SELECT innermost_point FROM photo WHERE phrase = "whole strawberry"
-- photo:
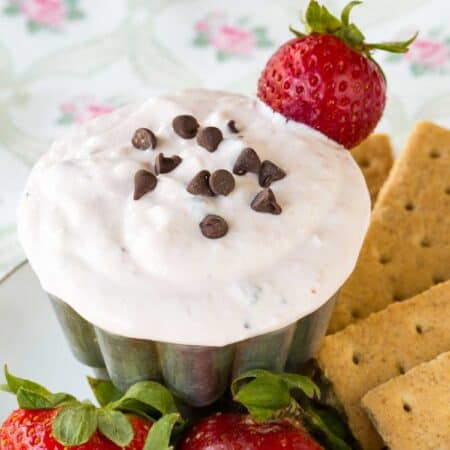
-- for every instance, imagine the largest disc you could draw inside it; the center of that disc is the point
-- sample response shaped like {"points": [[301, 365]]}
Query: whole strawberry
{"points": [[327, 79], [29, 430], [276, 421], [233, 431], [59, 421]]}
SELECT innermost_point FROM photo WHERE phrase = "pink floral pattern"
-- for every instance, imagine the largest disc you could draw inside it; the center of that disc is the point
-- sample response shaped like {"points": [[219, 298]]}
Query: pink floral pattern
{"points": [[44, 14], [229, 39], [429, 54], [83, 108]]}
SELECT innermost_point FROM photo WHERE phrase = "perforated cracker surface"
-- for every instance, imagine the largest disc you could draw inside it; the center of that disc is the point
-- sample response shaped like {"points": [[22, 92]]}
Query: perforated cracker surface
{"points": [[386, 344], [413, 411], [374, 157], [407, 247]]}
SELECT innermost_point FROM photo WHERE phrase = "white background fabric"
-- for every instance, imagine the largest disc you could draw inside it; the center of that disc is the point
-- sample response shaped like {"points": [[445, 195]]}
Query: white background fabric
{"points": [[65, 61]]}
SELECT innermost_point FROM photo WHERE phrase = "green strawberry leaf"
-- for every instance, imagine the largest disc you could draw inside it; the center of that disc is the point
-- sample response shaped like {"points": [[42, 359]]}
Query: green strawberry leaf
{"points": [[305, 384], [394, 46], [264, 396], [296, 32], [75, 425], [31, 395], [160, 433], [137, 408], [292, 380], [104, 391], [247, 376], [15, 383], [320, 20], [333, 421], [152, 396], [115, 426], [31, 400], [315, 422], [345, 15], [352, 35], [6, 388]]}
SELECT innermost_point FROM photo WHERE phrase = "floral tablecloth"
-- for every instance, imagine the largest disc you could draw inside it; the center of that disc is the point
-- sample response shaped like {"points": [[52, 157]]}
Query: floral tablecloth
{"points": [[63, 62]]}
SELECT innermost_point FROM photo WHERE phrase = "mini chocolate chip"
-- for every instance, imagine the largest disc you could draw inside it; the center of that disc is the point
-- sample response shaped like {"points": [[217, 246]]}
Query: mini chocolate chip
{"points": [[144, 181], [209, 138], [222, 182], [269, 173], [199, 185], [232, 126], [247, 161], [213, 227], [143, 139], [165, 164], [185, 126], [266, 202]]}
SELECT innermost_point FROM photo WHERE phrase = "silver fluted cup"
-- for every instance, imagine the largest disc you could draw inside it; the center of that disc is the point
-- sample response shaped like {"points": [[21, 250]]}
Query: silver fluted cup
{"points": [[197, 375]]}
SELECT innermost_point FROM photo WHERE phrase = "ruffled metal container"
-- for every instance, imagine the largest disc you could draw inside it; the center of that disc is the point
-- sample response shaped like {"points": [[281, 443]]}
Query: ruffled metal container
{"points": [[195, 374]]}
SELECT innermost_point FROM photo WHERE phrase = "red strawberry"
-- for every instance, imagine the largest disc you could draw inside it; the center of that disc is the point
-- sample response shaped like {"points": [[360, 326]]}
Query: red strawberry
{"points": [[328, 79], [58, 421], [276, 421], [32, 430], [235, 432]]}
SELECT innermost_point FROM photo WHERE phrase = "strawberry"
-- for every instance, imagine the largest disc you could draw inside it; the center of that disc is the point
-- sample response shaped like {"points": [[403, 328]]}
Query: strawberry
{"points": [[276, 420], [146, 418], [28, 429], [327, 79], [58, 421], [234, 431]]}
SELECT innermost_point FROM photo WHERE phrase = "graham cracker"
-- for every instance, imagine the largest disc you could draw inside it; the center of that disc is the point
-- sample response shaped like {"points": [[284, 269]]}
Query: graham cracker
{"points": [[413, 410], [374, 157], [407, 247], [386, 344]]}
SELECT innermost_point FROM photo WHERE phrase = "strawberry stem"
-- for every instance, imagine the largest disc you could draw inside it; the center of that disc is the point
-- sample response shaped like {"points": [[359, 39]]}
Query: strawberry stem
{"points": [[319, 20]]}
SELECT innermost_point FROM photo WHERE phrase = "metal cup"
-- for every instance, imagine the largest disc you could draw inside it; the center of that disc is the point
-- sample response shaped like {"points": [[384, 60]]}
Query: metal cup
{"points": [[198, 375]]}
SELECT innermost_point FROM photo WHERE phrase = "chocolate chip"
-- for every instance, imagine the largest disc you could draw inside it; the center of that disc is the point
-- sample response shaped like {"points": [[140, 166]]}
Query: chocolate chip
{"points": [[266, 202], [232, 126], [247, 161], [213, 227], [199, 185], [143, 139], [144, 181], [165, 164], [222, 182], [269, 173], [185, 126], [210, 138]]}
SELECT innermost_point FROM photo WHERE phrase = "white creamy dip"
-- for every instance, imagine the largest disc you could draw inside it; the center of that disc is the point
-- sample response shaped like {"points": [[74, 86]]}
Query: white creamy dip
{"points": [[143, 269]]}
